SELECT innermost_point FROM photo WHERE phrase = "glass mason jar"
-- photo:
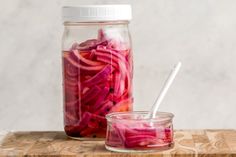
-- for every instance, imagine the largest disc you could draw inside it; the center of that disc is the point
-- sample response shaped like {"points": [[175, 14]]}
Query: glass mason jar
{"points": [[97, 67]]}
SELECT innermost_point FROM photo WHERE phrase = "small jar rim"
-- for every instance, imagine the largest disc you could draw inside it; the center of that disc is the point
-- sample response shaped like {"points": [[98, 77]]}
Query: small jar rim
{"points": [[165, 116]]}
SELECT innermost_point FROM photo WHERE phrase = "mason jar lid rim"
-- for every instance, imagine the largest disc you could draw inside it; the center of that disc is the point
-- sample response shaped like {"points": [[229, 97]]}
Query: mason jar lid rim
{"points": [[96, 13]]}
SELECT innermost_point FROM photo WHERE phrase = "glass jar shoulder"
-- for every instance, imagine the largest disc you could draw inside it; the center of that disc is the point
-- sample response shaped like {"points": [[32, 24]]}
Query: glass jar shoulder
{"points": [[81, 32]]}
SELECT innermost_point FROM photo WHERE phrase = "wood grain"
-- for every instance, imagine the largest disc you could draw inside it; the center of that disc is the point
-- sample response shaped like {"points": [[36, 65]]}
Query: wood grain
{"points": [[188, 143]]}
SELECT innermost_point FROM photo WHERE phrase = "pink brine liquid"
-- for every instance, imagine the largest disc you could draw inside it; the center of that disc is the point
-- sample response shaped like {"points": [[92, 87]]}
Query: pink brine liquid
{"points": [[97, 77]]}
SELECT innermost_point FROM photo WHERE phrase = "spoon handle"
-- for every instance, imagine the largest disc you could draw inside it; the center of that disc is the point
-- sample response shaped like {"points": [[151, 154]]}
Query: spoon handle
{"points": [[168, 82]]}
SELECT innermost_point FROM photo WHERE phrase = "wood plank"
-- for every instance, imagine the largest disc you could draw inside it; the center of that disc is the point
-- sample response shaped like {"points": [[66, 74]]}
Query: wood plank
{"points": [[188, 143]]}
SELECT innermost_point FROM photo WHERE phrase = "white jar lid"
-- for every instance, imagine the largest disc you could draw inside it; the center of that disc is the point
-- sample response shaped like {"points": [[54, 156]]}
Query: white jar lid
{"points": [[96, 13]]}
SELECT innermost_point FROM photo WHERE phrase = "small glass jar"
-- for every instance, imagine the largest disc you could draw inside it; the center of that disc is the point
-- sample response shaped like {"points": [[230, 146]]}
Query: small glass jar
{"points": [[97, 67], [134, 132]]}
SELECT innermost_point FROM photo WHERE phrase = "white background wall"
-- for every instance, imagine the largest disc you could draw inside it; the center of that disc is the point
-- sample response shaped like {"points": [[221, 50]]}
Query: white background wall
{"points": [[200, 33]]}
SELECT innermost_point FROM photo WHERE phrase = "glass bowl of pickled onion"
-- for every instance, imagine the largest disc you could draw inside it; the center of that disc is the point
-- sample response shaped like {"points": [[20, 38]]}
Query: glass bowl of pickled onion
{"points": [[135, 132]]}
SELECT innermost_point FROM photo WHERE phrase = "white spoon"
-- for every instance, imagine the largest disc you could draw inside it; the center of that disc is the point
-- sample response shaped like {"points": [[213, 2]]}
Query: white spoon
{"points": [[169, 81]]}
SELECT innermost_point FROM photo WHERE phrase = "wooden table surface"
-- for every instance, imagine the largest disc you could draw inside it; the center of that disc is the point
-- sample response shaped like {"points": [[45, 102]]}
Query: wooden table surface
{"points": [[187, 143]]}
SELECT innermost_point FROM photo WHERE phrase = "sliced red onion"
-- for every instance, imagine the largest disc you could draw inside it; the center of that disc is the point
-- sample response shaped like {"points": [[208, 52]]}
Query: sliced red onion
{"points": [[97, 77], [86, 61]]}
